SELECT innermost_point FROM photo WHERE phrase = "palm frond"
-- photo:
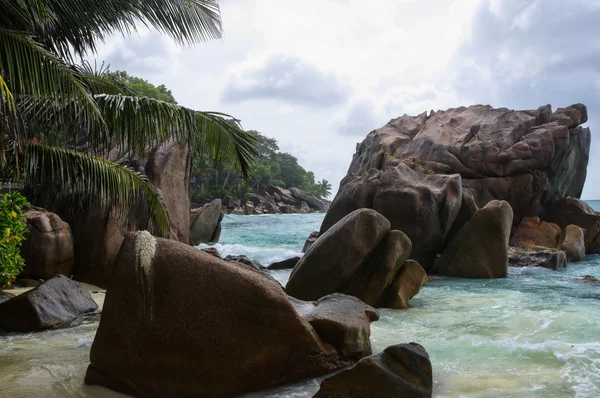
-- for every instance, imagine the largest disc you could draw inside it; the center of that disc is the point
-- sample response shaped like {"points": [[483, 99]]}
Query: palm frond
{"points": [[30, 69], [99, 80], [89, 182]]}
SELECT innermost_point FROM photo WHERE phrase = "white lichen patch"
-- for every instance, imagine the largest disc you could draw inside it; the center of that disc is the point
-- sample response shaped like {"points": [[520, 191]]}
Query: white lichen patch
{"points": [[145, 248]]}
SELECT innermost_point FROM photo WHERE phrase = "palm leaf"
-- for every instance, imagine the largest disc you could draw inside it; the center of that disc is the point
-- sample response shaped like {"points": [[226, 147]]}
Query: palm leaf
{"points": [[89, 182]]}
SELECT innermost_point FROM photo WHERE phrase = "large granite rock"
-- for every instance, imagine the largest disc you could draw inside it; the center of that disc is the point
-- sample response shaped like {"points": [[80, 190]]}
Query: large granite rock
{"points": [[55, 302], [361, 257], [288, 263], [312, 238], [283, 195], [313, 202], [529, 255], [179, 322], [540, 233], [573, 243], [527, 158], [205, 223], [402, 370], [48, 248], [422, 206], [480, 248], [574, 211], [342, 321]]}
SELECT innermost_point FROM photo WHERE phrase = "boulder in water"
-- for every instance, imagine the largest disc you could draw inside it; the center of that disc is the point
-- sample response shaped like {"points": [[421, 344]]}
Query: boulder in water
{"points": [[55, 302], [405, 286], [160, 335], [480, 248], [402, 370], [541, 233], [529, 255], [342, 321], [48, 249], [574, 211], [573, 243], [288, 263]]}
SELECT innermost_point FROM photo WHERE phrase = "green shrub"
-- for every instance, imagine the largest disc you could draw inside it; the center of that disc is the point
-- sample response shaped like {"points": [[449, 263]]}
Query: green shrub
{"points": [[12, 234]]}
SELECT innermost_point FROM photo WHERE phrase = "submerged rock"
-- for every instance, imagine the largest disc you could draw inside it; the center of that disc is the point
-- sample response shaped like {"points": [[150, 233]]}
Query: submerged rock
{"points": [[48, 249], [592, 280], [480, 248], [162, 335], [529, 255], [55, 302], [342, 321], [402, 370]]}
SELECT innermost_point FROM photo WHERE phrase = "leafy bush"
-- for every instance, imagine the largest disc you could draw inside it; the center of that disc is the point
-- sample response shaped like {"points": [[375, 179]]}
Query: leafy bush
{"points": [[12, 234]]}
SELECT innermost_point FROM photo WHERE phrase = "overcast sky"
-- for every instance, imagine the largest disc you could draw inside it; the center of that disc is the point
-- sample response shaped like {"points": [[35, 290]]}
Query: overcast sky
{"points": [[319, 75]]}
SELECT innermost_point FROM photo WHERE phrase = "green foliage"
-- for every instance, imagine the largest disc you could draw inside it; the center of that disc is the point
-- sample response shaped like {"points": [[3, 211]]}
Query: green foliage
{"points": [[145, 88], [12, 234]]}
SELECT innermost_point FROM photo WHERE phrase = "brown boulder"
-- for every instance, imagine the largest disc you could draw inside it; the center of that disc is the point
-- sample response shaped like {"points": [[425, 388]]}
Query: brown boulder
{"points": [[529, 255], [288, 263], [574, 211], [313, 202], [53, 303], [527, 158], [480, 249], [312, 238], [48, 249], [422, 206], [405, 286], [340, 320], [541, 233], [161, 336], [402, 370], [573, 243], [337, 255], [205, 222]]}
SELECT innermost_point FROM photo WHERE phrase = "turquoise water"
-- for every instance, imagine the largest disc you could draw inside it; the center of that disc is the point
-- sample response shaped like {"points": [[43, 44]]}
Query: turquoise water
{"points": [[533, 334]]}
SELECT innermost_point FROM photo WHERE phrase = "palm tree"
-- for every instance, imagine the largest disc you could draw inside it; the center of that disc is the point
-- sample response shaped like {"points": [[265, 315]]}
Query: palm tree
{"points": [[323, 188], [57, 119]]}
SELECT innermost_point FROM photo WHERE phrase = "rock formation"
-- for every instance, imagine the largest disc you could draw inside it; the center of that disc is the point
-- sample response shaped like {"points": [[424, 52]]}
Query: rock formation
{"points": [[527, 158], [529, 255], [402, 370], [48, 248], [359, 256], [566, 211], [180, 322], [51, 304], [205, 224]]}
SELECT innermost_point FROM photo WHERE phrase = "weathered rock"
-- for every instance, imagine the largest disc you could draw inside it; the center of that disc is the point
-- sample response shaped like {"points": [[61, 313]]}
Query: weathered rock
{"points": [[480, 248], [244, 260], [227, 201], [541, 233], [57, 301], [527, 158], [402, 370], [313, 202], [303, 208], [568, 211], [205, 222], [288, 263], [239, 212], [336, 256], [248, 209], [573, 243], [342, 321], [424, 207], [405, 286], [240, 330], [48, 249], [212, 251], [529, 255], [283, 195], [5, 296], [312, 238], [587, 279]]}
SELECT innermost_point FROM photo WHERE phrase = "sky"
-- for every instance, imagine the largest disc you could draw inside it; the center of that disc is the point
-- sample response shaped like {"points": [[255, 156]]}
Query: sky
{"points": [[319, 75]]}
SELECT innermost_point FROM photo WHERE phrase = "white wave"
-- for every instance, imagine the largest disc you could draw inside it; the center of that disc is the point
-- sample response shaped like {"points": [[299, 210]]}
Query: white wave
{"points": [[264, 255]]}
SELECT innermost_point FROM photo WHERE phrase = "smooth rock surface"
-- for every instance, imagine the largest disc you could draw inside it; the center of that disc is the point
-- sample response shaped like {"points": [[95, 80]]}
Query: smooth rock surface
{"points": [[405, 286], [204, 223], [55, 302], [573, 243]]}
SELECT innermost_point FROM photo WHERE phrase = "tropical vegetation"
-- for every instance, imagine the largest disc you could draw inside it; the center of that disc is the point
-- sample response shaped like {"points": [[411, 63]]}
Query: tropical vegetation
{"points": [[59, 117], [12, 234]]}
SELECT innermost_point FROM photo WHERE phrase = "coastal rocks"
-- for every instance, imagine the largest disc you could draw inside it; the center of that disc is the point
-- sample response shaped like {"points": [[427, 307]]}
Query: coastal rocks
{"points": [[312, 238], [402, 370], [238, 333], [48, 249], [205, 223], [528, 255], [527, 158], [541, 233], [340, 320], [329, 266], [573, 243], [276, 200], [55, 302], [480, 248], [289, 263], [4, 296], [591, 280], [422, 206], [313, 202], [359, 256], [574, 211]]}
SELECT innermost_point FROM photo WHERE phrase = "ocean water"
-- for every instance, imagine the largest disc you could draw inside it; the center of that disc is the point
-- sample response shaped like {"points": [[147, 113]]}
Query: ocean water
{"points": [[533, 334]]}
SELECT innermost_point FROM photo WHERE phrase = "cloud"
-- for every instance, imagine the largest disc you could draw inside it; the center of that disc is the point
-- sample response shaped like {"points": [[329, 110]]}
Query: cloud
{"points": [[283, 78]]}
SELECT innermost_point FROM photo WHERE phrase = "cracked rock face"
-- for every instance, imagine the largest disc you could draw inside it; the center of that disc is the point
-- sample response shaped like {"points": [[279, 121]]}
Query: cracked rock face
{"points": [[525, 157]]}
